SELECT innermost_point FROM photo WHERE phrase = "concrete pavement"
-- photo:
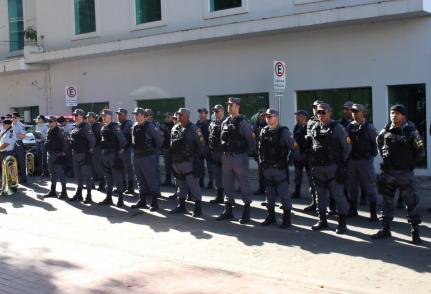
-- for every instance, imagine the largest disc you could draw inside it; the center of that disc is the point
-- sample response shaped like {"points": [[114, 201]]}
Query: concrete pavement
{"points": [[52, 246]]}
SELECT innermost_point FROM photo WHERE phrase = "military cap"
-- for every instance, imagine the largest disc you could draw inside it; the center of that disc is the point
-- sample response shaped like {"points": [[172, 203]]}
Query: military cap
{"points": [[106, 112], [139, 110], [183, 111], [203, 110], [61, 119], [271, 111], [358, 107], [8, 115], [348, 104], [92, 114], [51, 118], [399, 108], [317, 102], [40, 116], [218, 107], [148, 111], [7, 122], [301, 112], [234, 100], [78, 112], [324, 106], [121, 110]]}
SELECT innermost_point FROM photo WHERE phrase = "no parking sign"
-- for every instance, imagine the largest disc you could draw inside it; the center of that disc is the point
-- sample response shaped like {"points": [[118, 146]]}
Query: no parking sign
{"points": [[71, 96]]}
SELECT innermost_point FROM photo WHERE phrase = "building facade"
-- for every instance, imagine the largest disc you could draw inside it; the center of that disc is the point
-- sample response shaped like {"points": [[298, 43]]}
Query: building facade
{"points": [[168, 53]]}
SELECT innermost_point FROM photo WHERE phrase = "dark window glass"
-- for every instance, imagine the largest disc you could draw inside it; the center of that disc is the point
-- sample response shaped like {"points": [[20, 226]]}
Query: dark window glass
{"points": [[216, 5], [85, 16], [148, 11], [16, 25]]}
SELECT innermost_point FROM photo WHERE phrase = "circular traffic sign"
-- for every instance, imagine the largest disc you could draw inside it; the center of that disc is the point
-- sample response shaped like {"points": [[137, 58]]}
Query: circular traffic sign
{"points": [[279, 69], [71, 92]]}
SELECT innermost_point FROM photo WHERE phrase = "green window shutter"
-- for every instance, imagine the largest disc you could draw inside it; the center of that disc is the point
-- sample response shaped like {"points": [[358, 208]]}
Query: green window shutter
{"points": [[85, 16], [148, 11], [216, 5], [16, 25]]}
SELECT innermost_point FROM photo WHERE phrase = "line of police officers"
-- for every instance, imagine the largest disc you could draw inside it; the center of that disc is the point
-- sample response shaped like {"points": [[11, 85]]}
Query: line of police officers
{"points": [[337, 156]]}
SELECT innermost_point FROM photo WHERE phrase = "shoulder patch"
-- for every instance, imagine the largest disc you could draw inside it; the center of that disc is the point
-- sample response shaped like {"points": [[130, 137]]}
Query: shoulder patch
{"points": [[348, 140], [253, 135]]}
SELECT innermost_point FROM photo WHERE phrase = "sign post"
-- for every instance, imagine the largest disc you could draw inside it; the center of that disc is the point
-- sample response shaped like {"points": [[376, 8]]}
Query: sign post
{"points": [[71, 96], [279, 70]]}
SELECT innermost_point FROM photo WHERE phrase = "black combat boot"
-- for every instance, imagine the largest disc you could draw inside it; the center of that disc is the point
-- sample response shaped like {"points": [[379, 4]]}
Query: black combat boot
{"points": [[107, 200], [385, 231], [88, 198], [353, 209], [77, 196], [101, 187], [63, 194], [286, 219], [173, 196], [130, 188], [321, 224], [154, 203], [51, 193], [312, 205], [181, 208], [373, 212], [416, 239], [245, 218], [219, 197], [120, 202], [297, 192], [332, 206], [197, 211], [270, 219], [342, 227], [142, 203], [227, 213]]}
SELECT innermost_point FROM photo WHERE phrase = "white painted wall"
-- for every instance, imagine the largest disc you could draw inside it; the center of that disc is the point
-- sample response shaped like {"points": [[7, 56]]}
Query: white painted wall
{"points": [[373, 54]]}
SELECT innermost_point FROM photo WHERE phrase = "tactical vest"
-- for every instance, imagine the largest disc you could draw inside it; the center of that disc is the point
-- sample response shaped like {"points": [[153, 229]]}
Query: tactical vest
{"points": [[140, 141], [361, 145], [215, 136], [272, 150], [182, 143], [204, 127], [398, 153], [54, 142], [325, 148], [109, 139], [231, 139], [78, 138], [299, 134]]}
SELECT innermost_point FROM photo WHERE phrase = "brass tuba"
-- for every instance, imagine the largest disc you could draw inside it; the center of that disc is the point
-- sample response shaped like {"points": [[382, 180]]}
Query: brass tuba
{"points": [[29, 163], [9, 175]]}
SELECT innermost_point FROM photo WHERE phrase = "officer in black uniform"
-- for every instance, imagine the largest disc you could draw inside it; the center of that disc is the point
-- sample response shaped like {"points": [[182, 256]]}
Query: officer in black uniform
{"points": [[329, 152], [166, 130], [145, 142], [82, 142], [258, 123], [112, 144], [274, 145], [400, 145], [216, 153], [346, 119], [310, 124], [203, 124], [186, 144], [55, 146], [300, 156], [96, 159], [126, 128]]}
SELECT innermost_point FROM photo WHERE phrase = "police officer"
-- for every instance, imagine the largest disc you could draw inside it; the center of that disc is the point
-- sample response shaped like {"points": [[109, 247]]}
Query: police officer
{"points": [[166, 129], [238, 141], [82, 143], [329, 151], [19, 131], [346, 119], [149, 117], [300, 154], [203, 125], [67, 128], [126, 128], [400, 145], [113, 144], [7, 140], [55, 146], [360, 168], [274, 145], [258, 122], [215, 148], [96, 159], [145, 141], [41, 129], [310, 124], [186, 143]]}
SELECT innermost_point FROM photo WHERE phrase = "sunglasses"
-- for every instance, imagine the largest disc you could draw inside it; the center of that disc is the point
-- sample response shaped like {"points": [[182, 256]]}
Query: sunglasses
{"points": [[321, 112]]}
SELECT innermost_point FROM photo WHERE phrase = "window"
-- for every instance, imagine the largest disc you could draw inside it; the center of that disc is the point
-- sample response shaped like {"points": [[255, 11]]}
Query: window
{"points": [[160, 106], [148, 11], [413, 97], [16, 25], [93, 107], [84, 16], [250, 103], [336, 98], [216, 5]]}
